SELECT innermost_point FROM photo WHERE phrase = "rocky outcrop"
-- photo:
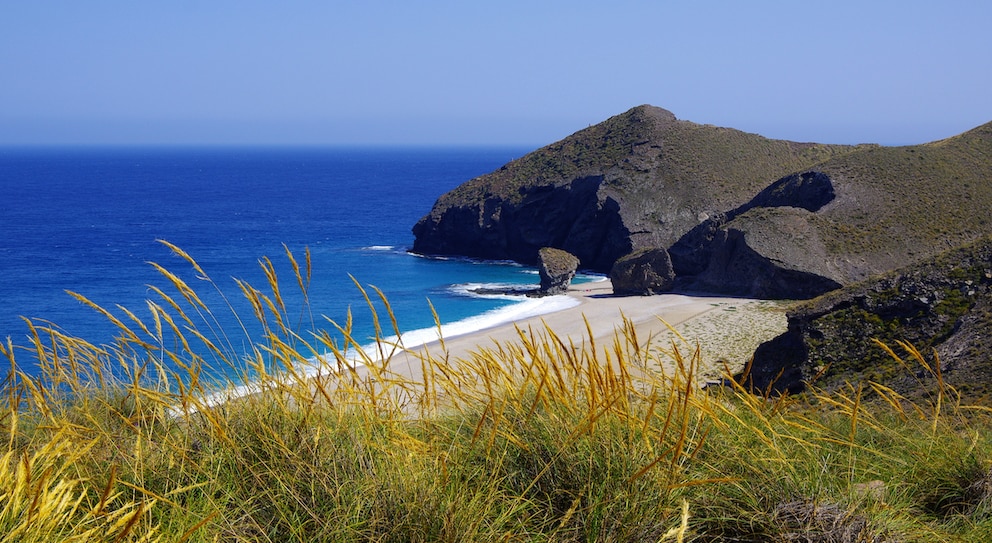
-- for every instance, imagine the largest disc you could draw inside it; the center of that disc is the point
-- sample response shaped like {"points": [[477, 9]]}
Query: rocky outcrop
{"points": [[811, 190], [556, 269], [738, 213], [942, 305], [769, 253], [807, 190], [638, 180], [644, 272], [573, 217], [768, 248]]}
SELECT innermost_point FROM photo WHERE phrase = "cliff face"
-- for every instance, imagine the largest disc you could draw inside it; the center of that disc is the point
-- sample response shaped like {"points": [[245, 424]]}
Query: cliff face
{"points": [[738, 213], [575, 217], [942, 305], [640, 179]]}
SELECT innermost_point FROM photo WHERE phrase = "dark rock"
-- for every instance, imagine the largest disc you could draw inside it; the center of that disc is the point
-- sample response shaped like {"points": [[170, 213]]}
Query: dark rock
{"points": [[644, 272], [574, 217], [508, 291], [692, 253], [716, 251], [808, 190], [556, 269], [645, 179], [769, 253], [778, 365], [942, 306]]}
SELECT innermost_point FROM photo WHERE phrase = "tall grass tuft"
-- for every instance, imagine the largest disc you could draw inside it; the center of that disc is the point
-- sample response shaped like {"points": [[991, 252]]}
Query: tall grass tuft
{"points": [[174, 433], [41, 500]]}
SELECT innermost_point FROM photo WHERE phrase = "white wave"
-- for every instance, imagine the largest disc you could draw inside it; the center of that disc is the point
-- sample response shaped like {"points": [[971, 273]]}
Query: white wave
{"points": [[524, 308], [471, 290], [380, 248]]}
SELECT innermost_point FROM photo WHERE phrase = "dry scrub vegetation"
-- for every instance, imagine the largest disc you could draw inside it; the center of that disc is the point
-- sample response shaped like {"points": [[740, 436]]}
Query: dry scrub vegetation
{"points": [[540, 439]]}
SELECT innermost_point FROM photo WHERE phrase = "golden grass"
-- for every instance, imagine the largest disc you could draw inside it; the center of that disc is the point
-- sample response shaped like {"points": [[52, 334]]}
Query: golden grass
{"points": [[42, 500], [543, 438]]}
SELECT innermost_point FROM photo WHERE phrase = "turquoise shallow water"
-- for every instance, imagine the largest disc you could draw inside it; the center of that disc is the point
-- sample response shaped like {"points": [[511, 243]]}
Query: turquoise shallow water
{"points": [[87, 220]]}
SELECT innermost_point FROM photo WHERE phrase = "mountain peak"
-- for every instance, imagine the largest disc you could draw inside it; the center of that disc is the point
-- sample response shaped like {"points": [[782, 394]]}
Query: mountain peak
{"points": [[652, 112]]}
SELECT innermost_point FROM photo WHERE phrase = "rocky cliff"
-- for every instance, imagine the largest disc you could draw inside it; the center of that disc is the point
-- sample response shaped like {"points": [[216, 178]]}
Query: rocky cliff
{"points": [[738, 213], [640, 179], [943, 306]]}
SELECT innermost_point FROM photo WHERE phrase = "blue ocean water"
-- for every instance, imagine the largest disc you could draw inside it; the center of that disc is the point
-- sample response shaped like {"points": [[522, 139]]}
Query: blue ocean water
{"points": [[87, 220]]}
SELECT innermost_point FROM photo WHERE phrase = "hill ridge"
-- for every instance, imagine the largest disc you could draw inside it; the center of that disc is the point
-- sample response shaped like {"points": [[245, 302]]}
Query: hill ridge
{"points": [[645, 179]]}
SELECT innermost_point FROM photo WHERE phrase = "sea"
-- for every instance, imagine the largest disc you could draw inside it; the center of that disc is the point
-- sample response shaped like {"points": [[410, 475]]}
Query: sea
{"points": [[89, 220]]}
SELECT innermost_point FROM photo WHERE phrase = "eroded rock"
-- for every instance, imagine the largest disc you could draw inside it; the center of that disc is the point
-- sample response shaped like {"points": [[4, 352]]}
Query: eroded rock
{"points": [[557, 269], [768, 253], [644, 272]]}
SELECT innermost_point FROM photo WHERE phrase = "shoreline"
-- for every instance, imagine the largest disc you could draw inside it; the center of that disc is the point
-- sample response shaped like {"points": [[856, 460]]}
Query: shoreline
{"points": [[727, 330]]}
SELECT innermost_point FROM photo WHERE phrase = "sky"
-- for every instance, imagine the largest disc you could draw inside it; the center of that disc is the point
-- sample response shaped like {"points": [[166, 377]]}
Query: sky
{"points": [[513, 72]]}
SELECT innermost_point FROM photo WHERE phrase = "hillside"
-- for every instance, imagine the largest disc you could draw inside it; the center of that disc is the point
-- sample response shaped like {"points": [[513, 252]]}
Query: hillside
{"points": [[739, 213], [534, 438], [639, 179]]}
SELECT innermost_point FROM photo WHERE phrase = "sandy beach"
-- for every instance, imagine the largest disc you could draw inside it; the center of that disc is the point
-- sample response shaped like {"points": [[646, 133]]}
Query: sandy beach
{"points": [[726, 330]]}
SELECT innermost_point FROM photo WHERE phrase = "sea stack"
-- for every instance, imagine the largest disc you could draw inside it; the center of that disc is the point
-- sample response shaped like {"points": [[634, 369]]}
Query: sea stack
{"points": [[556, 268]]}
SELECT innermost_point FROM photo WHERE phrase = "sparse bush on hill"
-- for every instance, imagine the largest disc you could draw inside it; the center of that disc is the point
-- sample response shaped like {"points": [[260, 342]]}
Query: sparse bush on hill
{"points": [[541, 439]]}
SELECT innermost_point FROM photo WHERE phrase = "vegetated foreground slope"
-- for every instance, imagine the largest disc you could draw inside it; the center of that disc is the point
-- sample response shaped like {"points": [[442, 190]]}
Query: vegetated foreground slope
{"points": [[538, 438], [739, 213]]}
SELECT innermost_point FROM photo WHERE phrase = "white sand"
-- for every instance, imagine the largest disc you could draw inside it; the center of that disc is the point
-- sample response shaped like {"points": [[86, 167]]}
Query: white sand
{"points": [[727, 330]]}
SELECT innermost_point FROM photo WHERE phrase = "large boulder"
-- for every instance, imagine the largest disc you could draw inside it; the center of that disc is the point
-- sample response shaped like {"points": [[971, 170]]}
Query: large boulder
{"points": [[556, 269], [643, 272]]}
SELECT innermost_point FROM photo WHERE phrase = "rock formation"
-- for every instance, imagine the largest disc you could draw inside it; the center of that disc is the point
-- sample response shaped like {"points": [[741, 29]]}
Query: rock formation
{"points": [[556, 269], [640, 179], [770, 253], [767, 248], [942, 305], [738, 213], [644, 272]]}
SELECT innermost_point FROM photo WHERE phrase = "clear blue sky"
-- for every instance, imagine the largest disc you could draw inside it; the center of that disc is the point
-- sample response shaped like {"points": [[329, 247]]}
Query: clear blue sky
{"points": [[471, 72]]}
